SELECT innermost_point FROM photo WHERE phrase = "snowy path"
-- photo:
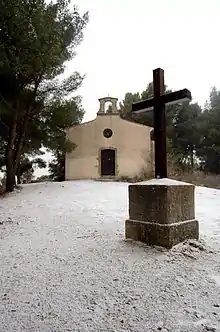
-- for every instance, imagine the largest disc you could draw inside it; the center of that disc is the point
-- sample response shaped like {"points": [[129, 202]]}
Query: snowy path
{"points": [[66, 267]]}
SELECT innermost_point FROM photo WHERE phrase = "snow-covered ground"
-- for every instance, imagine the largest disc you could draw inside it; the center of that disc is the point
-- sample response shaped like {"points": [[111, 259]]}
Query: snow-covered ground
{"points": [[65, 265]]}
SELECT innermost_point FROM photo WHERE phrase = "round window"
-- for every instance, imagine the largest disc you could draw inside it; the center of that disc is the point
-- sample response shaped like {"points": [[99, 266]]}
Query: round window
{"points": [[107, 133]]}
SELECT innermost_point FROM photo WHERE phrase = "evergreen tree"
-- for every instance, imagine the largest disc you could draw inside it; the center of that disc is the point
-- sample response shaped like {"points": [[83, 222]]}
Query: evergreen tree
{"points": [[31, 59]]}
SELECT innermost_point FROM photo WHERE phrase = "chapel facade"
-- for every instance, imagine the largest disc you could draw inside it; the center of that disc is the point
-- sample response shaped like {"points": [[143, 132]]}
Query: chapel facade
{"points": [[109, 147]]}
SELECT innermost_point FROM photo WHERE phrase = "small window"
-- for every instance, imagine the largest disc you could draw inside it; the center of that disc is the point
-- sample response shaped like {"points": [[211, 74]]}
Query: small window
{"points": [[107, 133]]}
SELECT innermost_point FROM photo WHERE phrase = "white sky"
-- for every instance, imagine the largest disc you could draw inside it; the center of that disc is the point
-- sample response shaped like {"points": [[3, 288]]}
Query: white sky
{"points": [[125, 40]]}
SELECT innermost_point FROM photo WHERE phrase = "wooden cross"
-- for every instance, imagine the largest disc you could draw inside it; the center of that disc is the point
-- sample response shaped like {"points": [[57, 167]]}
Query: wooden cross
{"points": [[157, 103]]}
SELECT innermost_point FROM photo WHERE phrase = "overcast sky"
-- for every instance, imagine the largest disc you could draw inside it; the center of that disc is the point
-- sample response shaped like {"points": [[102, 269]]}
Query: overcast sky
{"points": [[125, 40]]}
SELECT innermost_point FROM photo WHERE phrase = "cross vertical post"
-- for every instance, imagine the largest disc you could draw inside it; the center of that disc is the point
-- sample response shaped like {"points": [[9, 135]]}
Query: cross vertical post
{"points": [[159, 125]]}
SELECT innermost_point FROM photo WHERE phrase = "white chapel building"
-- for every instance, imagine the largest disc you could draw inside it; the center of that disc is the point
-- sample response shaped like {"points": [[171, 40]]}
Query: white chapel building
{"points": [[109, 147]]}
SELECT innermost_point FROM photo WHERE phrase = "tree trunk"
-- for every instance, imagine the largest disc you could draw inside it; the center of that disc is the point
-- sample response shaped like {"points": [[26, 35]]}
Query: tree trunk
{"points": [[10, 175], [10, 172], [19, 144]]}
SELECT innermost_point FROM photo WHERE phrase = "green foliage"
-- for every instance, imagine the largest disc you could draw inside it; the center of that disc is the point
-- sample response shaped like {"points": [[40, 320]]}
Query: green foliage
{"points": [[184, 133], [27, 166], [57, 167], [39, 162], [125, 106], [59, 116], [36, 39]]}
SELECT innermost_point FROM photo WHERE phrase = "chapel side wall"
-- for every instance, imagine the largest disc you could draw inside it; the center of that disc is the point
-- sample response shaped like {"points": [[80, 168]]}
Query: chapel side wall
{"points": [[131, 141]]}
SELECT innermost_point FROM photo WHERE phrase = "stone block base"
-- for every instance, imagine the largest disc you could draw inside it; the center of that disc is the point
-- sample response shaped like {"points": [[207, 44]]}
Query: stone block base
{"points": [[165, 235]]}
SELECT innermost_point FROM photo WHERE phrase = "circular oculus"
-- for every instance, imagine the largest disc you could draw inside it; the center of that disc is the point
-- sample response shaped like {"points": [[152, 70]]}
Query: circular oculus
{"points": [[107, 133]]}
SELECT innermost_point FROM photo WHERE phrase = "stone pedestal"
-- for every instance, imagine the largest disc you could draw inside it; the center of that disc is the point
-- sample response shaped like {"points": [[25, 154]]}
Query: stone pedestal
{"points": [[161, 212]]}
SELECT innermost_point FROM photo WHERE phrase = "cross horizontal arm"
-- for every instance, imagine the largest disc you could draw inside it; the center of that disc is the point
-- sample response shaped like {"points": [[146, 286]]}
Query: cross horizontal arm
{"points": [[168, 99], [176, 96], [143, 106]]}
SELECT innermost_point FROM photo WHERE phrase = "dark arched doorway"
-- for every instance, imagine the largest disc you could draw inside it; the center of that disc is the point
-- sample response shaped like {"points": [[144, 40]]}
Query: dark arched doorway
{"points": [[108, 162]]}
